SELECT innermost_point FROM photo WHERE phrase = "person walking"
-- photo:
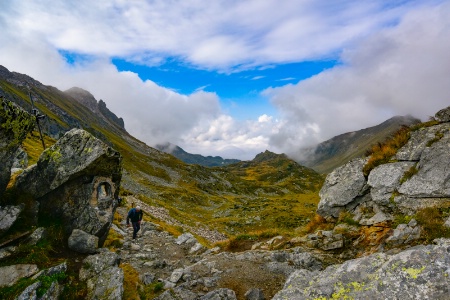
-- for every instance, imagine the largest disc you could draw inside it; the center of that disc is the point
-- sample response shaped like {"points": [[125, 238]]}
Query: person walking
{"points": [[135, 215]]}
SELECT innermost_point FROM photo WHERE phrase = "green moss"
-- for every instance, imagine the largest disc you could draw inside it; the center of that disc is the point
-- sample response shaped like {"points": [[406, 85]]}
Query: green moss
{"points": [[15, 122]]}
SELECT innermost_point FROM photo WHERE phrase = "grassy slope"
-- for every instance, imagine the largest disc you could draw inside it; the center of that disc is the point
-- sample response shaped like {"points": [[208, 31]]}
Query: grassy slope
{"points": [[276, 193]]}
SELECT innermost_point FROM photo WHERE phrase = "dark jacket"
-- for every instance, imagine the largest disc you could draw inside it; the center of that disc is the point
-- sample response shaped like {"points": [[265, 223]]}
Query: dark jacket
{"points": [[134, 215]]}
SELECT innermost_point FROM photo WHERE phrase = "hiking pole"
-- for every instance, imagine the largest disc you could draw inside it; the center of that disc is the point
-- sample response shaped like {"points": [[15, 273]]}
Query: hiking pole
{"points": [[35, 113]]}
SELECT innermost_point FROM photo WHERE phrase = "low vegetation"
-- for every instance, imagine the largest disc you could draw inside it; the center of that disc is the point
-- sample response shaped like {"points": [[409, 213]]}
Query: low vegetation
{"points": [[382, 153]]}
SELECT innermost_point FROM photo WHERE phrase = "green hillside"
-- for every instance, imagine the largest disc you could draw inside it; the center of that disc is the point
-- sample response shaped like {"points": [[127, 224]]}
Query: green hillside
{"points": [[270, 192]]}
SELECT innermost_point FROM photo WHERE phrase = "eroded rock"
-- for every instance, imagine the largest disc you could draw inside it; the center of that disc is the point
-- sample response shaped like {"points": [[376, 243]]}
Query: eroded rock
{"points": [[418, 273], [76, 181]]}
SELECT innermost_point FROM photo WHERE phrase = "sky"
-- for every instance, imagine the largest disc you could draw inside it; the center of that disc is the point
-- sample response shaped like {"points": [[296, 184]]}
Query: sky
{"points": [[236, 77]]}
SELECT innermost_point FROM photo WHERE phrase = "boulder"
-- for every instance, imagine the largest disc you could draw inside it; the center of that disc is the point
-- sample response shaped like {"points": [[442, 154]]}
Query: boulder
{"points": [[103, 276], [20, 159], [341, 187], [385, 179], [433, 176], [404, 234], [417, 273], [83, 242], [254, 294], [8, 215], [443, 115], [12, 274], [76, 181], [15, 124], [30, 292], [220, 294]]}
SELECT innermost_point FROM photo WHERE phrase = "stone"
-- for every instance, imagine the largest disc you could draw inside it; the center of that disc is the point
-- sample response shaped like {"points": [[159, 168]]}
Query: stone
{"points": [[341, 187], [15, 124], [254, 294], [96, 264], [30, 292], [39, 234], [184, 238], [9, 215], [417, 143], [103, 277], [108, 284], [148, 278], [83, 169], [53, 292], [196, 248], [7, 251], [385, 179], [443, 115], [433, 176], [20, 160], [12, 274], [220, 294], [83, 242], [176, 275], [417, 273]]}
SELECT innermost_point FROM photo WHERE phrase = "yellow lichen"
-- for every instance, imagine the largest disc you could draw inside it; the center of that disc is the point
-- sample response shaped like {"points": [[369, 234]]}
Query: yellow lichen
{"points": [[413, 272]]}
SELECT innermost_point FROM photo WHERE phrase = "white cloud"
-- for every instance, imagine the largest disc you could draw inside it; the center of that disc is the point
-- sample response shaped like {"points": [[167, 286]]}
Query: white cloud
{"points": [[220, 35], [397, 71]]}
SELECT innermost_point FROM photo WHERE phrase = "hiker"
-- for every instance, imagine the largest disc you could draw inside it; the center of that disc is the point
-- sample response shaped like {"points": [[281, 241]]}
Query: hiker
{"points": [[135, 215]]}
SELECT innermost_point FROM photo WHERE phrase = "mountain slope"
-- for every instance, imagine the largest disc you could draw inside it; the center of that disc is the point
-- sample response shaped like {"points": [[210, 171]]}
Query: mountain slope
{"points": [[227, 200], [340, 149], [207, 161]]}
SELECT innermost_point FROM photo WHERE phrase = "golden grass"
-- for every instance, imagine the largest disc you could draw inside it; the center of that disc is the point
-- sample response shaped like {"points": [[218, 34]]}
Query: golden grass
{"points": [[32, 145], [130, 282], [382, 153]]}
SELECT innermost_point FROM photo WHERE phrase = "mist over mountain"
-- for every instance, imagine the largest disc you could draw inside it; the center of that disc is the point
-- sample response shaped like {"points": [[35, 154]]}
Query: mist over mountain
{"points": [[338, 150]]}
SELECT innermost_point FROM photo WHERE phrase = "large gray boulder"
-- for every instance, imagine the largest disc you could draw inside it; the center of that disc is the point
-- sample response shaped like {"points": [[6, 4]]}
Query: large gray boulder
{"points": [[342, 186], [83, 242], [76, 181], [14, 127], [418, 273], [443, 115]]}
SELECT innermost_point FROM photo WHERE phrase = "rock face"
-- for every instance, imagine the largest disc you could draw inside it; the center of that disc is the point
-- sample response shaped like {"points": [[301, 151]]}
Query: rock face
{"points": [[83, 242], [11, 274], [14, 126], [419, 178], [103, 276], [76, 181], [8, 215], [418, 273]]}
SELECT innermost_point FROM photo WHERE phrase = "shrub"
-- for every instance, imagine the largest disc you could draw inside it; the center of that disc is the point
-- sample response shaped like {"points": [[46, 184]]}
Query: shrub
{"points": [[432, 222]]}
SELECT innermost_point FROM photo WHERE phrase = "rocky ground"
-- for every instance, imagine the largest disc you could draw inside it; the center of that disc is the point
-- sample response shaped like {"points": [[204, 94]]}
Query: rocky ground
{"points": [[192, 271]]}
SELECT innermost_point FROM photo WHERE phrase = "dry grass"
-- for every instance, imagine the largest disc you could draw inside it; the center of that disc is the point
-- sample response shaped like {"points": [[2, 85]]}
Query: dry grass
{"points": [[382, 153], [432, 221], [130, 282]]}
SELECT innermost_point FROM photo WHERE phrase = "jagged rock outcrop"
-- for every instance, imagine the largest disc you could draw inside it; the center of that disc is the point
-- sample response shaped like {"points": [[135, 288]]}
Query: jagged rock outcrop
{"points": [[14, 126], [76, 181], [417, 273], [419, 178]]}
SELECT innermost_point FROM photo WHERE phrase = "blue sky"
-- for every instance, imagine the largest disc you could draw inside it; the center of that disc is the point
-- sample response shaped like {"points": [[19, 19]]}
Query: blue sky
{"points": [[234, 78]]}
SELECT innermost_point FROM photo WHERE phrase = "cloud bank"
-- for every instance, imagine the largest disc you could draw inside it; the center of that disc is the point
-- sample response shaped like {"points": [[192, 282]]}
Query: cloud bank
{"points": [[393, 61], [400, 70]]}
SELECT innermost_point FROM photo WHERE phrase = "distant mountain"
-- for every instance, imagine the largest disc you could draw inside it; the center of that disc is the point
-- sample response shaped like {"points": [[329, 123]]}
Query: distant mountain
{"points": [[276, 173], [342, 148], [197, 159]]}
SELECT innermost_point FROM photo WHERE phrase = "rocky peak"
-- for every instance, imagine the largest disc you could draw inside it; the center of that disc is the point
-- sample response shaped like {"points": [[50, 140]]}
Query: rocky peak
{"points": [[83, 97], [267, 156]]}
